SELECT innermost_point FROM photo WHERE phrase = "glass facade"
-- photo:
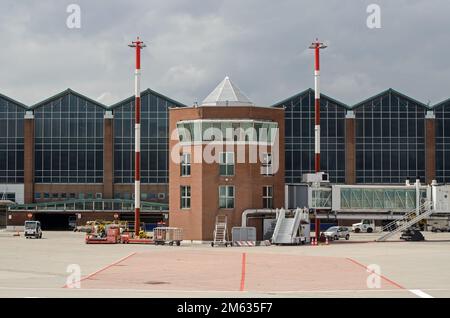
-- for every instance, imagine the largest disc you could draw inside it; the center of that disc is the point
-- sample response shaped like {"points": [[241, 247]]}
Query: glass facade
{"points": [[263, 132], [299, 142], [68, 140], [11, 141], [442, 113], [154, 138], [384, 199], [390, 139]]}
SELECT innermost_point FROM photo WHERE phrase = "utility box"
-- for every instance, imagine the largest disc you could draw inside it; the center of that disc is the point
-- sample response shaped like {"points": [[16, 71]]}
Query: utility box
{"points": [[441, 198], [243, 234], [319, 177]]}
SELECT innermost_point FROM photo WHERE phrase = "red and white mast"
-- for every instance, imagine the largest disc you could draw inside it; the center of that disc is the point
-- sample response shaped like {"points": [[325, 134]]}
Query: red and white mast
{"points": [[317, 46], [138, 44]]}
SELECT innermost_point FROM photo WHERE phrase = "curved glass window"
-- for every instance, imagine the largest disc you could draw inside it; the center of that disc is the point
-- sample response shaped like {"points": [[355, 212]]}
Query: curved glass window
{"points": [[69, 140], [227, 130], [11, 141], [154, 139], [299, 133], [442, 113], [390, 139]]}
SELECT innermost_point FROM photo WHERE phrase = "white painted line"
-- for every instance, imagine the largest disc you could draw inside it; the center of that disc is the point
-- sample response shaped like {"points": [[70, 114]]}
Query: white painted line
{"points": [[420, 293]]}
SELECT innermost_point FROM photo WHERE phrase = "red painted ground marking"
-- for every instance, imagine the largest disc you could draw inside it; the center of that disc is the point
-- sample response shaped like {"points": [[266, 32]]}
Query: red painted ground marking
{"points": [[244, 256], [381, 276], [101, 269]]}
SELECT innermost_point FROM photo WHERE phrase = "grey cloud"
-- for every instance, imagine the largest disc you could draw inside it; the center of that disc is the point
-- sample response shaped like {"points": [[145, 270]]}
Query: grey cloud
{"points": [[193, 44]]}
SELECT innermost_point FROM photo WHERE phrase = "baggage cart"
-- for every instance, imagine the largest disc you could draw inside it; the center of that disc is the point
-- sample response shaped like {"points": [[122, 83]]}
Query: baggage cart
{"points": [[170, 235]]}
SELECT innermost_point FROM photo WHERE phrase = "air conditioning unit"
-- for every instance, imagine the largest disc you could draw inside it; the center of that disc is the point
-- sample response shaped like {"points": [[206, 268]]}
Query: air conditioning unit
{"points": [[320, 177]]}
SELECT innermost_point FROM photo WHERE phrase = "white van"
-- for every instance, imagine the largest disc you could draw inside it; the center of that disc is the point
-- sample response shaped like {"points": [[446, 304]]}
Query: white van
{"points": [[367, 226], [33, 229]]}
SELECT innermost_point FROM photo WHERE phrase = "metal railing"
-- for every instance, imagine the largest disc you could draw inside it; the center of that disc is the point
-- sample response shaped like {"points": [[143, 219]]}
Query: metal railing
{"points": [[409, 219]]}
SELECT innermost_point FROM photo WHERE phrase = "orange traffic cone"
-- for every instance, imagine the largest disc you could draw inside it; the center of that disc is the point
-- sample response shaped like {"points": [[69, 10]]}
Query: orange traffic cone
{"points": [[313, 241], [326, 241]]}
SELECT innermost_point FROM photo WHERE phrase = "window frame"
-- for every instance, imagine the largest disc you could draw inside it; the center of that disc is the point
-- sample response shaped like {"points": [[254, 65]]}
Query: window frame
{"points": [[227, 197], [267, 165], [185, 197], [226, 164], [185, 167], [267, 197]]}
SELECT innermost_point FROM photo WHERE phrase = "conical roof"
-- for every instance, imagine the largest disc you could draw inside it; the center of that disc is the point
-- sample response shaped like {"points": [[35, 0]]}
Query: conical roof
{"points": [[226, 94]]}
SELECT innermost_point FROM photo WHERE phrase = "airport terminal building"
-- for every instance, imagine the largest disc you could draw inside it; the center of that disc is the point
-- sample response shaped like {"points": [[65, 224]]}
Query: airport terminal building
{"points": [[70, 148]]}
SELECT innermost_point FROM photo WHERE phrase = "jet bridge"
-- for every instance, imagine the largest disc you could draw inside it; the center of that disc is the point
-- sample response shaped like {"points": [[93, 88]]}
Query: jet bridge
{"points": [[382, 202]]}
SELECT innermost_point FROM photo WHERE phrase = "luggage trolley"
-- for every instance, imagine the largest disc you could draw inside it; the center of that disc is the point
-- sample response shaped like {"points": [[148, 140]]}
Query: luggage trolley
{"points": [[220, 232], [170, 235]]}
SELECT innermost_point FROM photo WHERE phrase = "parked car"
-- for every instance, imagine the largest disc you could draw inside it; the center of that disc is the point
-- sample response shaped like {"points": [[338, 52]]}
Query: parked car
{"points": [[337, 232], [33, 229]]}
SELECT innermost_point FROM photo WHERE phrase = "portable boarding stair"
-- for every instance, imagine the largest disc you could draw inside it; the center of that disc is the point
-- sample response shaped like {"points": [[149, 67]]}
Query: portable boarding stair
{"points": [[269, 234], [286, 229], [220, 231], [408, 220]]}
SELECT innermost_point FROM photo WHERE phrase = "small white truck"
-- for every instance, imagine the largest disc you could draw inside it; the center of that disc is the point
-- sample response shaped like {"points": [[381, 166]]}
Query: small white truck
{"points": [[33, 229], [367, 226]]}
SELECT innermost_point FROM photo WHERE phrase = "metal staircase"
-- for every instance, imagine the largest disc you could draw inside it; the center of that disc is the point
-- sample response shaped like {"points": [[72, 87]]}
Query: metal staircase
{"points": [[286, 229], [220, 231], [408, 220], [269, 234]]}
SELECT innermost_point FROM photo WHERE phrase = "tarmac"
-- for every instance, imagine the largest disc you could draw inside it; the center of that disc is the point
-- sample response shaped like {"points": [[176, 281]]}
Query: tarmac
{"points": [[357, 268]]}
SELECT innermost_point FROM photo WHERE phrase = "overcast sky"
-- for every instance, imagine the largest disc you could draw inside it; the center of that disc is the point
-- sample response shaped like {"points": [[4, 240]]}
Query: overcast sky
{"points": [[193, 44]]}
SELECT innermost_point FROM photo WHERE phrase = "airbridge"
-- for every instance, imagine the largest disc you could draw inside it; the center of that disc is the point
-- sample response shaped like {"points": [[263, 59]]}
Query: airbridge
{"points": [[371, 201]]}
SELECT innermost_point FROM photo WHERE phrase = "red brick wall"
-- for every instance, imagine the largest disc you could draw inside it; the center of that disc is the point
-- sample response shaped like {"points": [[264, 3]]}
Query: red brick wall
{"points": [[108, 158], [350, 152], [430, 150], [28, 165]]}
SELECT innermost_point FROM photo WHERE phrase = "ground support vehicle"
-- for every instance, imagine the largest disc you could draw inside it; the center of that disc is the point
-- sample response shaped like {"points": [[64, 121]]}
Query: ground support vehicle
{"points": [[169, 235], [33, 229]]}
